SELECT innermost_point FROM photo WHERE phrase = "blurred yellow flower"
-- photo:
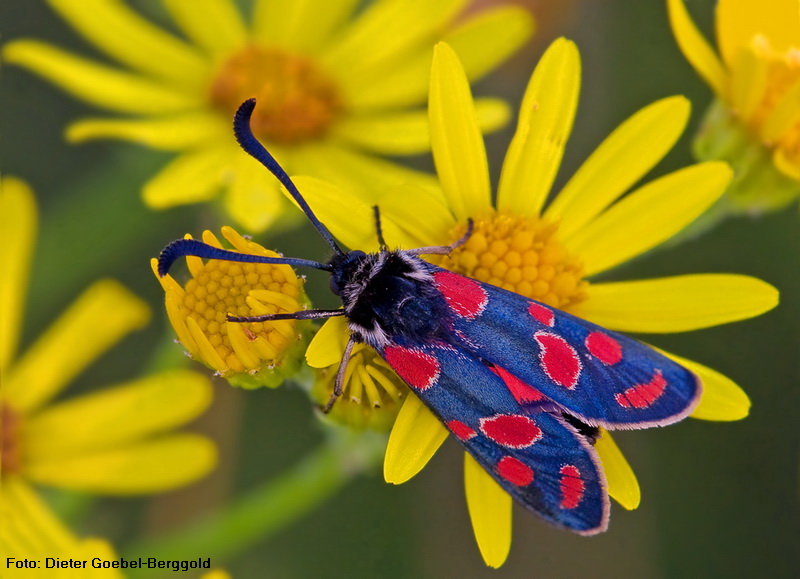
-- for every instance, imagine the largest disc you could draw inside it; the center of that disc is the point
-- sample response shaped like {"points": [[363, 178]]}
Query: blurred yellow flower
{"points": [[549, 254], [336, 84], [754, 123], [32, 535], [115, 440], [246, 354]]}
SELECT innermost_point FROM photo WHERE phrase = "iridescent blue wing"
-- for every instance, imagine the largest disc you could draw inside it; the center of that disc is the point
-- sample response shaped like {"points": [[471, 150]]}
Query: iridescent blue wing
{"points": [[536, 456], [601, 377]]}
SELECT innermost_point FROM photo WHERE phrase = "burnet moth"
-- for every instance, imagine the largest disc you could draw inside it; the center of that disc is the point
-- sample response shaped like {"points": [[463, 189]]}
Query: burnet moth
{"points": [[522, 386]]}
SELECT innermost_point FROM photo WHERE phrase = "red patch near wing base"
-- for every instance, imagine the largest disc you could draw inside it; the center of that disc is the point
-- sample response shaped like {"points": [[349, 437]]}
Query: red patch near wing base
{"points": [[522, 392], [515, 471], [465, 296], [643, 395], [418, 369]]}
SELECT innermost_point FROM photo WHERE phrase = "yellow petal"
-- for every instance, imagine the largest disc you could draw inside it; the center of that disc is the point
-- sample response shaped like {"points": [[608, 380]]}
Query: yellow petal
{"points": [[784, 115], [359, 174], [481, 42], [722, 399], [382, 35], [620, 161], [695, 48], [406, 133], [748, 82], [216, 25], [97, 320], [327, 347], [738, 21], [148, 467], [423, 218], [456, 139], [100, 85], [489, 38], [490, 512], [787, 166], [677, 304], [116, 416], [253, 197], [126, 36], [192, 177], [649, 216], [416, 436], [354, 227], [18, 222], [29, 526], [545, 123], [304, 26], [172, 133], [622, 484]]}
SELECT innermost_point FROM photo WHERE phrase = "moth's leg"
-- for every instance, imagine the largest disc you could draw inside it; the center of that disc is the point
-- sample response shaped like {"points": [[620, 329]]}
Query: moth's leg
{"points": [[378, 227], [301, 315], [339, 384], [444, 249]]}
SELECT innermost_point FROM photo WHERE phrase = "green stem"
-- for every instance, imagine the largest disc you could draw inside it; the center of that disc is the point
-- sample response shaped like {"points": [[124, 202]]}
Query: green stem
{"points": [[270, 507]]}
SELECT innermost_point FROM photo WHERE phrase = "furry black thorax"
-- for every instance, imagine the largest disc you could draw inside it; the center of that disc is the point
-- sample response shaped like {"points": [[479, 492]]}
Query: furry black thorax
{"points": [[389, 293]]}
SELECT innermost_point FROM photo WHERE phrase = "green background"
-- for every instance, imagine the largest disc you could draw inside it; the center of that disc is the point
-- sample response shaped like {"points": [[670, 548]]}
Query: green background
{"points": [[718, 499]]}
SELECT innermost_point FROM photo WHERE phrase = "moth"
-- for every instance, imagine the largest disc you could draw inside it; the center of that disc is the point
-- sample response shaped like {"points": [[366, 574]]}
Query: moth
{"points": [[524, 387]]}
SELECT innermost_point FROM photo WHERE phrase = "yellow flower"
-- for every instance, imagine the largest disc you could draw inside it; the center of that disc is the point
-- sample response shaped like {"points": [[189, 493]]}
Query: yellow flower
{"points": [[246, 354], [550, 253], [754, 123], [33, 535], [336, 86], [114, 441], [372, 394]]}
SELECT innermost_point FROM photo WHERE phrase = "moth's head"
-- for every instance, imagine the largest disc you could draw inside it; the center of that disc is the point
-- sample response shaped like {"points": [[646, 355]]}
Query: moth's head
{"points": [[343, 267]]}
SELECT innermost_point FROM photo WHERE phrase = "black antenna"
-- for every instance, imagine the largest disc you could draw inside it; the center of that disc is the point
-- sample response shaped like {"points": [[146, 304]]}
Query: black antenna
{"points": [[184, 247], [252, 146]]}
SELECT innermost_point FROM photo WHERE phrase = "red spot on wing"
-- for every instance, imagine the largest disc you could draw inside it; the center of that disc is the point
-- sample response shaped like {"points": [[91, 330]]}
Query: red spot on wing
{"points": [[511, 430], [572, 486], [515, 471], [521, 391], [461, 430], [418, 369], [558, 359], [643, 395], [465, 296], [542, 314], [604, 348]]}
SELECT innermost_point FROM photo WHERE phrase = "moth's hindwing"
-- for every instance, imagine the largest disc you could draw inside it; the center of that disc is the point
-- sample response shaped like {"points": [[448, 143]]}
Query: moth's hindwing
{"points": [[537, 457]]}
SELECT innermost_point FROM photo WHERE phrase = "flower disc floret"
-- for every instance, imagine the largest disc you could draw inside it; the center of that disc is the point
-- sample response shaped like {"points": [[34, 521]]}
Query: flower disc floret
{"points": [[522, 255]]}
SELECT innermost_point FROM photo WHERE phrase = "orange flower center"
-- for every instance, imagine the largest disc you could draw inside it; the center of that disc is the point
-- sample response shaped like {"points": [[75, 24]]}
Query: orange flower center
{"points": [[296, 101], [522, 255], [10, 453]]}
